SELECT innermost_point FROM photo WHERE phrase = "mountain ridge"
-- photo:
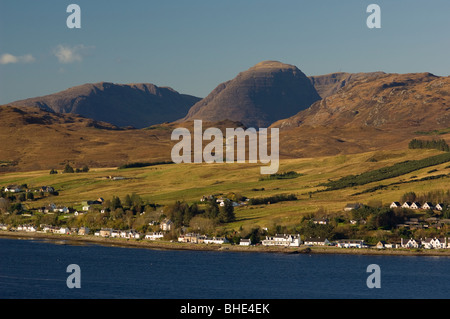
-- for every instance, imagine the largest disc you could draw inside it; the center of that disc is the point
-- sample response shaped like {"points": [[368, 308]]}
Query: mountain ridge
{"points": [[136, 104]]}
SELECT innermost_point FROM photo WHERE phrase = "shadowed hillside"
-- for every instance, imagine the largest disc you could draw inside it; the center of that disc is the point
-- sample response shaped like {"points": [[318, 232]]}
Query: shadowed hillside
{"points": [[138, 105]]}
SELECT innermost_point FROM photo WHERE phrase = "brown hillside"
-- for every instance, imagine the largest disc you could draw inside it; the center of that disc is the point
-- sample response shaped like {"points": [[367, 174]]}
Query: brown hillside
{"points": [[381, 112], [329, 84], [32, 139]]}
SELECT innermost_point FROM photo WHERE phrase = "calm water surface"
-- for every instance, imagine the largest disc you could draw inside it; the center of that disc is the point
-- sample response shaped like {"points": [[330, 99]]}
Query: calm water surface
{"points": [[37, 269]]}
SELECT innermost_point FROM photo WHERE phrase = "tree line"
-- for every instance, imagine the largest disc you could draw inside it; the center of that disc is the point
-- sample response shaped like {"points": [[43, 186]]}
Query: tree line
{"points": [[395, 170], [440, 144]]}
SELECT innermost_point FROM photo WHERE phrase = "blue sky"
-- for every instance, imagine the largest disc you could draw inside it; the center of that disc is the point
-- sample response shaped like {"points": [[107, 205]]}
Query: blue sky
{"points": [[194, 45]]}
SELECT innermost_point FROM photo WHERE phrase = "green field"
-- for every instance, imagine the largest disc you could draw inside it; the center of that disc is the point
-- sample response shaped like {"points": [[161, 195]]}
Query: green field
{"points": [[165, 184]]}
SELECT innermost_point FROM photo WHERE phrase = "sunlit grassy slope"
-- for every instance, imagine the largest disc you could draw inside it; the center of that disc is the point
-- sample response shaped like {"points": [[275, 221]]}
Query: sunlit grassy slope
{"points": [[165, 184]]}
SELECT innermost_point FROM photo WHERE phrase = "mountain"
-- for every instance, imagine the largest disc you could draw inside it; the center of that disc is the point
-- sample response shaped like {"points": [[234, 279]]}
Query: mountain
{"points": [[266, 92], [401, 100], [138, 105], [329, 84], [369, 113], [384, 111]]}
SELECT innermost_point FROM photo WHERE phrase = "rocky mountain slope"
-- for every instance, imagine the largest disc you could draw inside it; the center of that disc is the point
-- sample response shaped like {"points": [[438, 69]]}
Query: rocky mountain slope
{"points": [[138, 105], [329, 84], [380, 112], [266, 92]]}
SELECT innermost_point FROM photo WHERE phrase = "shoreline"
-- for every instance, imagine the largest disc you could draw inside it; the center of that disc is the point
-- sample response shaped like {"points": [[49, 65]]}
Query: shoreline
{"points": [[165, 245]]}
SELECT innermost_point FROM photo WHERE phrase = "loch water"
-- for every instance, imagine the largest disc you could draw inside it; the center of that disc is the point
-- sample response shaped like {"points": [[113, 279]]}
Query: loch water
{"points": [[37, 269]]}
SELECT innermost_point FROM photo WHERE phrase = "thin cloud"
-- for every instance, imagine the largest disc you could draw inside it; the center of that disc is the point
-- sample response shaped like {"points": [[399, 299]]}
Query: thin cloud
{"points": [[8, 58], [67, 54]]}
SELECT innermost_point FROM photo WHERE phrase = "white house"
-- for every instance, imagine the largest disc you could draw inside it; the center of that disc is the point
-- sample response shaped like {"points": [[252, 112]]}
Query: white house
{"points": [[216, 240], [352, 206], [320, 221], [395, 205], [316, 242], [415, 205], [406, 205], [13, 189], [154, 235], [440, 206], [411, 243], [434, 243], [222, 201], [351, 243], [166, 225], [27, 228], [427, 205], [245, 242], [61, 209], [134, 234], [282, 240], [115, 233], [130, 234], [64, 230]]}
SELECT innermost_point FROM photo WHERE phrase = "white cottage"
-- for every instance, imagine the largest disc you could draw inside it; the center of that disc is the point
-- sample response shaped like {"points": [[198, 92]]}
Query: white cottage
{"points": [[351, 243], [154, 235], [395, 205], [282, 240], [434, 243], [427, 205], [215, 240], [316, 242], [411, 243]]}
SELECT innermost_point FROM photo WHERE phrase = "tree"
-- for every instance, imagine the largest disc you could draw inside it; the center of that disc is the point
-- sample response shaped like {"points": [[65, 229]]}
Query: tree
{"points": [[4, 204], [53, 171], [85, 169], [212, 209], [127, 201], [409, 197], [226, 212], [30, 196], [22, 197], [68, 169], [115, 203], [255, 236]]}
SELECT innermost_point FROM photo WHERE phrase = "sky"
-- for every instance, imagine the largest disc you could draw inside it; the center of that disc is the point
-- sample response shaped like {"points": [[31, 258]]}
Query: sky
{"points": [[192, 46]]}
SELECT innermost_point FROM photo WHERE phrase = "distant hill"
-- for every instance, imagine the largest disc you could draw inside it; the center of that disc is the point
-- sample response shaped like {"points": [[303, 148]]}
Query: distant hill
{"points": [[138, 105], [266, 92]]}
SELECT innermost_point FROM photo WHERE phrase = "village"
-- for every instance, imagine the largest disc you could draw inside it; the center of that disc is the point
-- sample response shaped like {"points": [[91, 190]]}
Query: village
{"points": [[166, 226], [279, 240]]}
